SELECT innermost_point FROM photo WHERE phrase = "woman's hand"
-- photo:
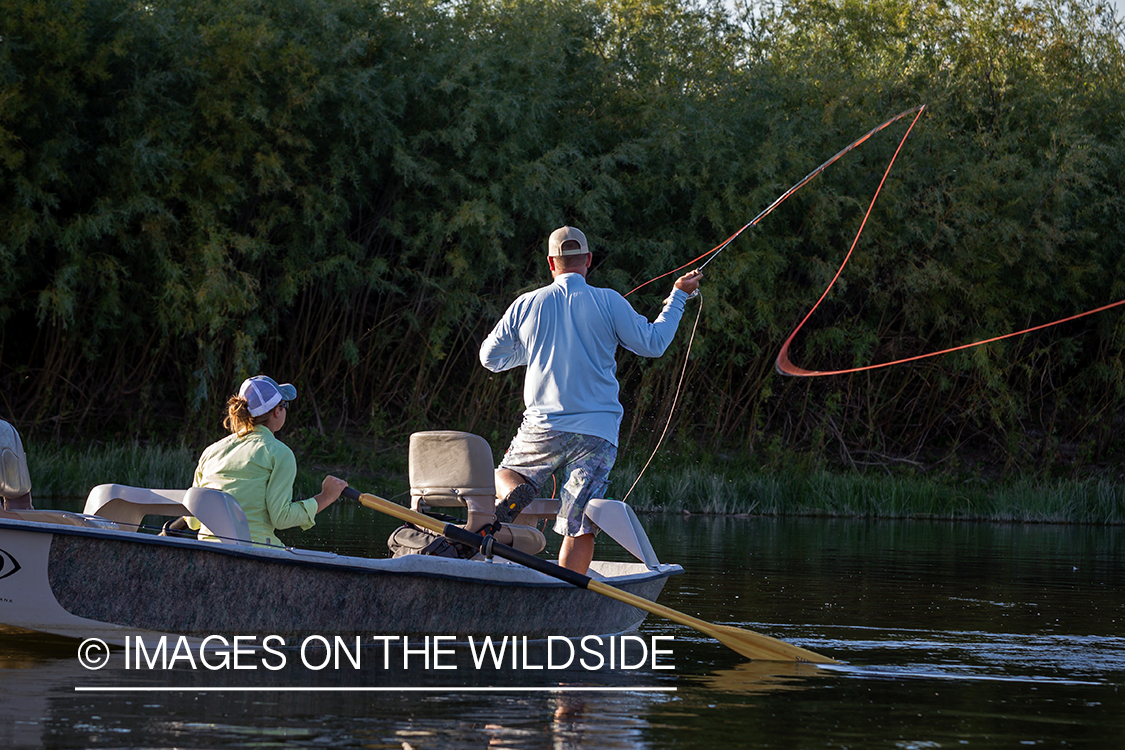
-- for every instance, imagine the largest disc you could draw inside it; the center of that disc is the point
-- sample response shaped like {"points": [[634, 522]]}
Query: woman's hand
{"points": [[330, 490]]}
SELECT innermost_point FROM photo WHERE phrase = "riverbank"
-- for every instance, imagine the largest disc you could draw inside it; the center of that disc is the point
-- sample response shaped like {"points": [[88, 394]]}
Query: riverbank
{"points": [[822, 493], [68, 472]]}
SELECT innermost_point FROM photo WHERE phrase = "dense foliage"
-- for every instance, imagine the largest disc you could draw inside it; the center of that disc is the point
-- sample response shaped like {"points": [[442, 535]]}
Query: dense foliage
{"points": [[347, 193]]}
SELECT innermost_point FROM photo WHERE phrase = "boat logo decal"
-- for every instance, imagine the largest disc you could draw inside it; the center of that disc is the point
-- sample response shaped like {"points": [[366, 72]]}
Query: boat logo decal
{"points": [[8, 564]]}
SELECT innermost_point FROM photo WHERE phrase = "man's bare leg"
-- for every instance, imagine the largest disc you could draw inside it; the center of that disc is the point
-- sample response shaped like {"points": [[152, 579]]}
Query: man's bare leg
{"points": [[506, 481], [577, 552]]}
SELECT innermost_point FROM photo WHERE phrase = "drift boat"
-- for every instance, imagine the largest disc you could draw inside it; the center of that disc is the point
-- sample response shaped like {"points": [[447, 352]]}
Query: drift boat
{"points": [[104, 573]]}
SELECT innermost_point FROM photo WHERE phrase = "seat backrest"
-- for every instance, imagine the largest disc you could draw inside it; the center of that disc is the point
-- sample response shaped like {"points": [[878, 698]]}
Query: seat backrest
{"points": [[452, 469], [216, 510], [448, 468], [14, 478]]}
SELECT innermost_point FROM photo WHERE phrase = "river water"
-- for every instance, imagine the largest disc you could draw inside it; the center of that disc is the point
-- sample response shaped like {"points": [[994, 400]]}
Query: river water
{"points": [[949, 635]]}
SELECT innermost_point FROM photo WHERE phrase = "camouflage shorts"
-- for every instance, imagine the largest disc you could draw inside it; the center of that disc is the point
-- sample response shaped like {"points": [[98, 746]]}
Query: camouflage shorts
{"points": [[584, 460]]}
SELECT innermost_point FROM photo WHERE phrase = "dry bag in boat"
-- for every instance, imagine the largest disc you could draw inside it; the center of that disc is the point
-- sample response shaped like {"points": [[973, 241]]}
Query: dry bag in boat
{"points": [[411, 540]]}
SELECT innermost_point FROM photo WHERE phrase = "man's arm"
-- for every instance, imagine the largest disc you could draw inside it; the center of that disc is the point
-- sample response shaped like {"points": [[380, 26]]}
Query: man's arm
{"points": [[652, 339], [502, 349]]}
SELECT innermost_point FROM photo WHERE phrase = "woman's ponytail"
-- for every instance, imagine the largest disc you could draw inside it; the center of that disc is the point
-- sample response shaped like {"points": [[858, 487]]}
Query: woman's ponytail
{"points": [[238, 419]]}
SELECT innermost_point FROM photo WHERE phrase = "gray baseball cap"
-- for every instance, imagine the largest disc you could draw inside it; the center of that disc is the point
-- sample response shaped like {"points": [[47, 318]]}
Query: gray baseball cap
{"points": [[561, 235]]}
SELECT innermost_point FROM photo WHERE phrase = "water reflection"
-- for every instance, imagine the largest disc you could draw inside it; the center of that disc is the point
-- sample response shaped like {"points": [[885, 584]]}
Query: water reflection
{"points": [[760, 677]]}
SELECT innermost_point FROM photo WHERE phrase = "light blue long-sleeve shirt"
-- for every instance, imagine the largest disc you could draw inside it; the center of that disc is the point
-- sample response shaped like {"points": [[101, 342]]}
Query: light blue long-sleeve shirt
{"points": [[567, 334]]}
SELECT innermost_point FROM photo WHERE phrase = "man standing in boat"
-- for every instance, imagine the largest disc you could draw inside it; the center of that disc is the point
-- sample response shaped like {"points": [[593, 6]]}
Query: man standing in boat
{"points": [[566, 334]]}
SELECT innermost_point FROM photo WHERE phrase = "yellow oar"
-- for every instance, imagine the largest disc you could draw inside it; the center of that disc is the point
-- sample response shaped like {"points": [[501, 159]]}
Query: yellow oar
{"points": [[747, 643]]}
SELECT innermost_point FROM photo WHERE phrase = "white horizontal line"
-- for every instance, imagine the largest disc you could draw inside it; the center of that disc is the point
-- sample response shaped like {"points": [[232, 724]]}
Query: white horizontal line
{"points": [[559, 689]]}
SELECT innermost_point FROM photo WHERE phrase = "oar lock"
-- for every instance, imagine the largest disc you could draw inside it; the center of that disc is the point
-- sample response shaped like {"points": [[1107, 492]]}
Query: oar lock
{"points": [[486, 546]]}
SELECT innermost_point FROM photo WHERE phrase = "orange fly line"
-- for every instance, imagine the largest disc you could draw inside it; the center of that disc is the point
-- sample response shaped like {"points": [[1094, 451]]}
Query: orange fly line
{"points": [[784, 366]]}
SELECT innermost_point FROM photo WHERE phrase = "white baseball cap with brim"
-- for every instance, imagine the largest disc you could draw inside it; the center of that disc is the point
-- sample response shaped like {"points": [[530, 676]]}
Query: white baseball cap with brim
{"points": [[262, 393], [562, 235]]}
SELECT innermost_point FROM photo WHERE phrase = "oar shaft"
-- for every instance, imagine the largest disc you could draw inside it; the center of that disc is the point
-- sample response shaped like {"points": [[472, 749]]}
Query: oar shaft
{"points": [[649, 606], [459, 534]]}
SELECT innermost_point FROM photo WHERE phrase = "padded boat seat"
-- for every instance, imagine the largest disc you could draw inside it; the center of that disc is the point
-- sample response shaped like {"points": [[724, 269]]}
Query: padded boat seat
{"points": [[453, 469], [216, 510], [14, 479]]}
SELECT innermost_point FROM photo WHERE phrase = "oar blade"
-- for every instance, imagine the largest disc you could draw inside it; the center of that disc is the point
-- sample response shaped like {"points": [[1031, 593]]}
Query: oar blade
{"points": [[758, 647], [745, 642]]}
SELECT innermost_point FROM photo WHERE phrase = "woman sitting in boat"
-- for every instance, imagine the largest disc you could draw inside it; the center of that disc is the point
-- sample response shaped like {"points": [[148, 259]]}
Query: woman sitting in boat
{"points": [[257, 468]]}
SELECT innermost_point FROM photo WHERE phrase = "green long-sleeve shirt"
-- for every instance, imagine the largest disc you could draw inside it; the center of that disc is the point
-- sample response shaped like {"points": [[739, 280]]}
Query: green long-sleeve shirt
{"points": [[259, 471]]}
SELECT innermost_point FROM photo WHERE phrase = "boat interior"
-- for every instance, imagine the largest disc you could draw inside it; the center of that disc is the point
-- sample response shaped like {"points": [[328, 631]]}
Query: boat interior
{"points": [[448, 469]]}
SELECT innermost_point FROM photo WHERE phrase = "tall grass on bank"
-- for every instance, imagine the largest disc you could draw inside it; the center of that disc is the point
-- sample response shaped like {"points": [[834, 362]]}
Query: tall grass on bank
{"points": [[820, 492], [66, 472], [69, 472]]}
